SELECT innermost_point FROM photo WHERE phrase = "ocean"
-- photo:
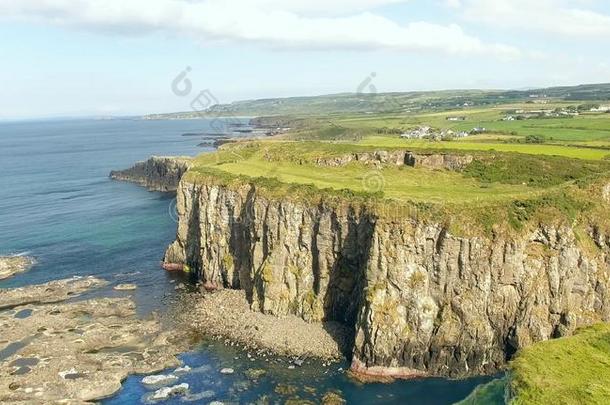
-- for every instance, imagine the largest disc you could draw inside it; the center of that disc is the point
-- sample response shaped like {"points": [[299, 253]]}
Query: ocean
{"points": [[58, 205]]}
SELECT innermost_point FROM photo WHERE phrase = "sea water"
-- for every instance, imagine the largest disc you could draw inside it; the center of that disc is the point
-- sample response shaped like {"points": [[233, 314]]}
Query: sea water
{"points": [[58, 205]]}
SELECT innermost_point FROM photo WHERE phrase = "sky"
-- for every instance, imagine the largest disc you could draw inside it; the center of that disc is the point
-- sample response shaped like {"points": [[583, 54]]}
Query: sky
{"points": [[61, 58]]}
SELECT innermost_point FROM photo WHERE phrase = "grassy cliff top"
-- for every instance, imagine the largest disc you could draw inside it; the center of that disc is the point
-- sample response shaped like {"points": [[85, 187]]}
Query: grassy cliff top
{"points": [[572, 370], [545, 165], [491, 177], [495, 188]]}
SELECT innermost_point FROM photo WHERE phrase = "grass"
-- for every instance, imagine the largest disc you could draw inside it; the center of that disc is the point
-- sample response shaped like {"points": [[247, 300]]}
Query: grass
{"points": [[291, 164], [529, 149], [497, 191], [572, 370], [510, 183], [512, 168]]}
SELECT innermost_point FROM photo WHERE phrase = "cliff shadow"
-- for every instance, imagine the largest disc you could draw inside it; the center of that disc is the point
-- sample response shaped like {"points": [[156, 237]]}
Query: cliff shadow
{"points": [[240, 241], [192, 245], [347, 279]]}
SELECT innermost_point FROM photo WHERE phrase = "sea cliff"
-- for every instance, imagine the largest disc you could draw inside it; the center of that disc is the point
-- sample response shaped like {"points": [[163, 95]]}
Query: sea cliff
{"points": [[159, 173], [421, 299]]}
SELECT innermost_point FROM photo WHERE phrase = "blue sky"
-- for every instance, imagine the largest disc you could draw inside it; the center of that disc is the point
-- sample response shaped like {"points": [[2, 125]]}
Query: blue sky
{"points": [[112, 57]]}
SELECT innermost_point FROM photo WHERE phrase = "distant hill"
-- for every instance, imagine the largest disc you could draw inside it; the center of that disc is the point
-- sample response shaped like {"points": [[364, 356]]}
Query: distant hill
{"points": [[392, 102]]}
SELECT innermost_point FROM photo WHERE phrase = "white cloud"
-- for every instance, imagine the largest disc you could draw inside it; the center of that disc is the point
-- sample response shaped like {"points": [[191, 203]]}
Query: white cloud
{"points": [[566, 18], [315, 24], [453, 3]]}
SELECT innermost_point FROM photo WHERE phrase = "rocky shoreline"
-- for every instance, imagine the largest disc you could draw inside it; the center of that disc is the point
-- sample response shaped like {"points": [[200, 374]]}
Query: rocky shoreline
{"points": [[226, 314], [55, 349]]}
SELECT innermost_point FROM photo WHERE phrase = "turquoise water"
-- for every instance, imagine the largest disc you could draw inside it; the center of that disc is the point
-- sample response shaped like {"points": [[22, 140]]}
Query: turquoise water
{"points": [[58, 205]]}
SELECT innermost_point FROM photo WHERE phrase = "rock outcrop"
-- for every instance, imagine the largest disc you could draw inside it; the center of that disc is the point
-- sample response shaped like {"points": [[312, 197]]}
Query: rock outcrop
{"points": [[11, 265], [400, 158], [606, 193], [419, 300], [157, 173], [53, 291], [75, 352]]}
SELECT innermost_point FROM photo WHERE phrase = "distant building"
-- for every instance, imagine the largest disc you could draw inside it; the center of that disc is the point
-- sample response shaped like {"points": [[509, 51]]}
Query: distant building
{"points": [[456, 118], [426, 132], [601, 108], [417, 133], [478, 130]]}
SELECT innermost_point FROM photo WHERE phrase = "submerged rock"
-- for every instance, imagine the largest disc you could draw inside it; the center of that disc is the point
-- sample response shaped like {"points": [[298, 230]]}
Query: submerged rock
{"points": [[160, 379], [166, 392], [255, 373], [227, 370], [11, 265], [125, 287], [199, 396], [333, 398], [286, 389], [182, 370]]}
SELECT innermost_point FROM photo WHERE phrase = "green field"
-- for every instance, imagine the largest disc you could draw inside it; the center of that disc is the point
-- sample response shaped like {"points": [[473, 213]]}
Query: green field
{"points": [[583, 128], [519, 169], [412, 184], [485, 145], [401, 102]]}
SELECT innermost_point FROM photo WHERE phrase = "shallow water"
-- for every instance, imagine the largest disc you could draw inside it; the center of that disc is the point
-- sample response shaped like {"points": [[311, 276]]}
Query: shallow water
{"points": [[58, 205], [280, 383]]}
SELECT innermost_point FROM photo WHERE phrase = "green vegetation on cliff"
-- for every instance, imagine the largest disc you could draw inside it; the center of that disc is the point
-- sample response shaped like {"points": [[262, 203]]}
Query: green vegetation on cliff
{"points": [[394, 182], [494, 190], [496, 177], [571, 370]]}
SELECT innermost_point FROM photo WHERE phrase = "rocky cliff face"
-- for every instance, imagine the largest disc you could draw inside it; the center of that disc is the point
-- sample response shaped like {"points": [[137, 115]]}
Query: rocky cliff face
{"points": [[420, 300], [157, 173]]}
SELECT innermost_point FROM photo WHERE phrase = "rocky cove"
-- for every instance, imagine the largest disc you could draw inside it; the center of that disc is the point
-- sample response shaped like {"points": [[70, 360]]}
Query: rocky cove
{"points": [[81, 224], [416, 299]]}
